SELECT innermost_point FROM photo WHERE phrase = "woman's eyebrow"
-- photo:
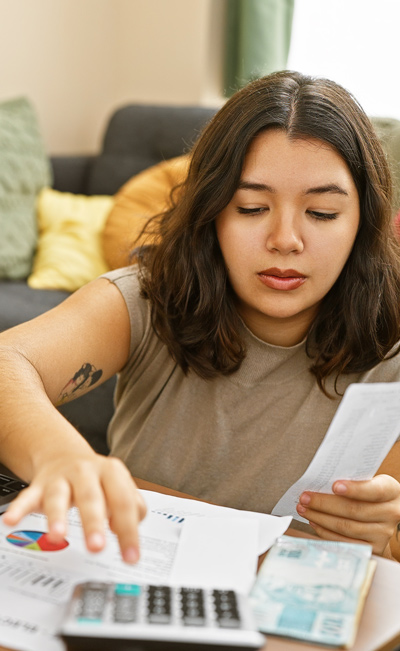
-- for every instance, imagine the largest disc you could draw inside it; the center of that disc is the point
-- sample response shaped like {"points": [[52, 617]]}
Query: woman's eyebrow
{"points": [[259, 187], [331, 188]]}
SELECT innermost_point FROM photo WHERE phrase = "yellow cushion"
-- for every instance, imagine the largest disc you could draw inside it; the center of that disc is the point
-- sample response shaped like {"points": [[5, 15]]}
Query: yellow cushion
{"points": [[69, 251], [143, 196]]}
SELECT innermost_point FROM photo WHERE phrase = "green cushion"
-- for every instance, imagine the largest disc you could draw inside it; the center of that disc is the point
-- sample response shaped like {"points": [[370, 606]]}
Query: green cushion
{"points": [[24, 170]]}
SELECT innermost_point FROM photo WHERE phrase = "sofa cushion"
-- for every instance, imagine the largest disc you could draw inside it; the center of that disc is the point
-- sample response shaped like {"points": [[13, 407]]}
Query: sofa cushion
{"points": [[24, 170], [21, 303], [71, 173], [140, 136], [69, 252], [143, 196]]}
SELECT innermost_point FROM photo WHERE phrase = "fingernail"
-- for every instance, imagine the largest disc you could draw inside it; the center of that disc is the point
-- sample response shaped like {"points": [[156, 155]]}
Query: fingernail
{"points": [[12, 516], [301, 509], [58, 528], [130, 555], [95, 541], [340, 488], [305, 499]]}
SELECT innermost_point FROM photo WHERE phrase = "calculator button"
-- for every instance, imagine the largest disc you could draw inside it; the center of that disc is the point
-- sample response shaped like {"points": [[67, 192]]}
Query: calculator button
{"points": [[125, 608], [93, 601], [159, 604], [4, 480], [192, 605], [6, 491], [226, 609]]}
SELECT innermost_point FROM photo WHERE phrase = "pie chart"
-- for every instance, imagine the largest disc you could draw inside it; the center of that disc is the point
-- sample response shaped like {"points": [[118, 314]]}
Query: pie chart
{"points": [[35, 540]]}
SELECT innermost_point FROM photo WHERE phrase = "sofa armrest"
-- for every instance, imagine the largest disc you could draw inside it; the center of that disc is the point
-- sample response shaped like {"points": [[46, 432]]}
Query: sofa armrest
{"points": [[71, 173]]}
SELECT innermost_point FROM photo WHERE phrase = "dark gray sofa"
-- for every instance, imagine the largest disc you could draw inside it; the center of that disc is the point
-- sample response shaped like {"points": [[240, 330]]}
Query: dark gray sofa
{"points": [[136, 137]]}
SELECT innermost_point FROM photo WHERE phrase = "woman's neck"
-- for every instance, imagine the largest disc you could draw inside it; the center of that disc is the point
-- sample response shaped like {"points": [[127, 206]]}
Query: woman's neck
{"points": [[284, 332]]}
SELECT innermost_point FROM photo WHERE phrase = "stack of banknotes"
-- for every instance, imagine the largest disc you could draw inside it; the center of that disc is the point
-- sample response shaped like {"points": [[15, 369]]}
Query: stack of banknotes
{"points": [[313, 590]]}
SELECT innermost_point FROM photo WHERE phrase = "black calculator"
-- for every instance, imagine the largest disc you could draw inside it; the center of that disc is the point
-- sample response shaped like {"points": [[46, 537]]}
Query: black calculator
{"points": [[131, 617]]}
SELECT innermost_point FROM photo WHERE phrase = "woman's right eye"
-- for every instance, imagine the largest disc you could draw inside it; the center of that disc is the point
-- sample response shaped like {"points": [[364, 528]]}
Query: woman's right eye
{"points": [[251, 211]]}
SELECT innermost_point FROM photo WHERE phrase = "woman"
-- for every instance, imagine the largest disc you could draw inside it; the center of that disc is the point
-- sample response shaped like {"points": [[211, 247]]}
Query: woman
{"points": [[273, 285]]}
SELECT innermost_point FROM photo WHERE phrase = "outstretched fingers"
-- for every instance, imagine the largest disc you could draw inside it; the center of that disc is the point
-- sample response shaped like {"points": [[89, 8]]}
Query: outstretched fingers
{"points": [[126, 509], [100, 487], [28, 500], [88, 496], [54, 503]]}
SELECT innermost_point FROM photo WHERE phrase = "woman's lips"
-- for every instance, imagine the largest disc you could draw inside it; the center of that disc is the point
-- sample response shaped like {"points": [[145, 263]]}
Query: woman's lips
{"points": [[282, 279]]}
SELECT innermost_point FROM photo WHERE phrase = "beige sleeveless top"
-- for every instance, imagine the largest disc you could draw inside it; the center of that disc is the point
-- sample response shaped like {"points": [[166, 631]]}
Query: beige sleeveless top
{"points": [[238, 441]]}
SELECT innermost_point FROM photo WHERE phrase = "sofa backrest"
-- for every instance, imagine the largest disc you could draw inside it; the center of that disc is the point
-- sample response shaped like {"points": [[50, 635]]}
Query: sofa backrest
{"points": [[138, 136]]}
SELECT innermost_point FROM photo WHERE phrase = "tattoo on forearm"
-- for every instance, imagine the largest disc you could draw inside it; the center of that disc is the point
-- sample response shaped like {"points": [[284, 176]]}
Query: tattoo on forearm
{"points": [[84, 378]]}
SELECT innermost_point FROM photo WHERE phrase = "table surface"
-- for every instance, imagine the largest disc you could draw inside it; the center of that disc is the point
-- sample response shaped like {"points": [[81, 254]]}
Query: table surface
{"points": [[379, 628]]}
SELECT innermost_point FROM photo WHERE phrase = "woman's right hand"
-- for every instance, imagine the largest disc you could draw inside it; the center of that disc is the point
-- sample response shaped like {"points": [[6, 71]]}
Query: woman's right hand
{"points": [[38, 360], [101, 487]]}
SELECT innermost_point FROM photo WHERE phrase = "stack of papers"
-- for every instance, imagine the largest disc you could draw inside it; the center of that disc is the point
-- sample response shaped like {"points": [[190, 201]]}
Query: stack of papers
{"points": [[183, 542]]}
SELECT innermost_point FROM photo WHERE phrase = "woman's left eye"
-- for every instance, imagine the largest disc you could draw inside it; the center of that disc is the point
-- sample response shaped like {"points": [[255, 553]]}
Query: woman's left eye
{"points": [[250, 211], [323, 216]]}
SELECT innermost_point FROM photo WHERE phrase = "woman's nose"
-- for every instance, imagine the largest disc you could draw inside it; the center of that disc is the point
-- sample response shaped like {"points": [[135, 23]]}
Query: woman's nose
{"points": [[283, 235]]}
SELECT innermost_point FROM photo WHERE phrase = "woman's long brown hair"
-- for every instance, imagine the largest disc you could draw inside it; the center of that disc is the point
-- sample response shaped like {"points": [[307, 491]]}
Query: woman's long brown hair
{"points": [[184, 275]]}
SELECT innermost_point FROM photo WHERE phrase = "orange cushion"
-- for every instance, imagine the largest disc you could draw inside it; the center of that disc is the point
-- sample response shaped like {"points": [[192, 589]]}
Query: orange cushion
{"points": [[143, 196]]}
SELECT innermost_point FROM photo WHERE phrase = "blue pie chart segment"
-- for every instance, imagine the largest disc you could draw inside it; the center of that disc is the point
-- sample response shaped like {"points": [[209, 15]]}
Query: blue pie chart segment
{"points": [[35, 540]]}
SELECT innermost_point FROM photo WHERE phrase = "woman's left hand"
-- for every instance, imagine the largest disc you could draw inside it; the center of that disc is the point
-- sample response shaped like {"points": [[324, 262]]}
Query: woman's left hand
{"points": [[358, 511]]}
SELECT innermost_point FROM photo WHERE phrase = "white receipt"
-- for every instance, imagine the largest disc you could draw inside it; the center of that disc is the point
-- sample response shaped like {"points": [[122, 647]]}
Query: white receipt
{"points": [[363, 430]]}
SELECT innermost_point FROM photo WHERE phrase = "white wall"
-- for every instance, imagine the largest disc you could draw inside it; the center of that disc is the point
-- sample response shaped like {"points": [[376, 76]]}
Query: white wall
{"points": [[77, 60], [170, 50], [355, 43]]}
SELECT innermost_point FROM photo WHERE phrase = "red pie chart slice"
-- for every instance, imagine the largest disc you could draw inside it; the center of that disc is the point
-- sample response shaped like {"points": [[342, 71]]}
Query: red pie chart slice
{"points": [[36, 541], [47, 546]]}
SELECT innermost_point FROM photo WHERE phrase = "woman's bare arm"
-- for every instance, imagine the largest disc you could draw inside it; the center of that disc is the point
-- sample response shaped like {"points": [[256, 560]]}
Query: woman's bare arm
{"points": [[38, 359]]}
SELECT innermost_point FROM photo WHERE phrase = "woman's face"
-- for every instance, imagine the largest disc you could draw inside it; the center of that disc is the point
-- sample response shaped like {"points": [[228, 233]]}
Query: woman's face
{"points": [[287, 232]]}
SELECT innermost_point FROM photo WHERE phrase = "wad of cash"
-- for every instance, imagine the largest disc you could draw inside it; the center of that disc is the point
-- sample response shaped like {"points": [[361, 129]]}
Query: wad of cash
{"points": [[313, 590]]}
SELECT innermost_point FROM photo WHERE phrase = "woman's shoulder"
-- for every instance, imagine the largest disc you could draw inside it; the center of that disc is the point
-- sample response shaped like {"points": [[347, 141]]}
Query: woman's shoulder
{"points": [[388, 370], [124, 276], [127, 280]]}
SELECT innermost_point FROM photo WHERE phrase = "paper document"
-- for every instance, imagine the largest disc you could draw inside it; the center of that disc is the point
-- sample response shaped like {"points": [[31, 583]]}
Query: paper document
{"points": [[270, 527], [363, 430], [222, 542], [182, 541], [36, 583]]}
